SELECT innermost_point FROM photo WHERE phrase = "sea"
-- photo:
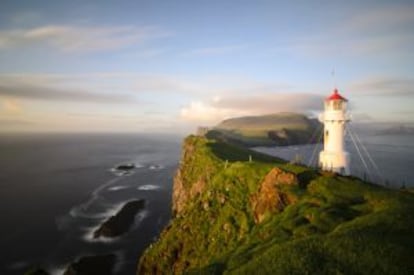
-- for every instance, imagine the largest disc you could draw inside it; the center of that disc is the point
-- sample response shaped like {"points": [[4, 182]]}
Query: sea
{"points": [[386, 160], [56, 189]]}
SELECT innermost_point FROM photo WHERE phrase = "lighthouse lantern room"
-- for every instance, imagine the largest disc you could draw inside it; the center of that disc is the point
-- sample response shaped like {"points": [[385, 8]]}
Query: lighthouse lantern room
{"points": [[334, 157]]}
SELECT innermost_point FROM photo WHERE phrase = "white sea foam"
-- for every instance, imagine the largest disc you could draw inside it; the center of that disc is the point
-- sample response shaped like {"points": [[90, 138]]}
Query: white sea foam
{"points": [[120, 261], [139, 165], [58, 270], [156, 167], [117, 187], [148, 187], [140, 217], [88, 236], [82, 209]]}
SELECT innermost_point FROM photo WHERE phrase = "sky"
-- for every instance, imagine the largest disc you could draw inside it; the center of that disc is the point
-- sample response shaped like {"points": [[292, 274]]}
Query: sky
{"points": [[169, 66]]}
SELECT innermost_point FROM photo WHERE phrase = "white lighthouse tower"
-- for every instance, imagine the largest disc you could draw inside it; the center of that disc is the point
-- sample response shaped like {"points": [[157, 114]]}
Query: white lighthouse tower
{"points": [[334, 157]]}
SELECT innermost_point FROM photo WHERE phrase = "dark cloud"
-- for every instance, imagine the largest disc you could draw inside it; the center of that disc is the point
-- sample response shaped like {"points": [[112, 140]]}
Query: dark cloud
{"points": [[45, 92], [385, 86], [273, 102]]}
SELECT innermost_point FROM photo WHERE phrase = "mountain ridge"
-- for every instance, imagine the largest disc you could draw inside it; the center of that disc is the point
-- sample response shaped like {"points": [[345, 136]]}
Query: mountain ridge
{"points": [[267, 130]]}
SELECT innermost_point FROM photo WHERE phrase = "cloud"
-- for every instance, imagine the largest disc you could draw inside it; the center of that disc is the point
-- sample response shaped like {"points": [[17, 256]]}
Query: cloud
{"points": [[43, 87], [384, 86], [380, 32], [227, 107], [381, 18], [11, 106], [168, 84], [80, 38], [198, 111], [15, 122]]}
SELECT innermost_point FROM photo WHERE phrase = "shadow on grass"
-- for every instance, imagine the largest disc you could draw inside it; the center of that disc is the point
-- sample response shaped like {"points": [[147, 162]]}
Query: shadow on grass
{"points": [[236, 153]]}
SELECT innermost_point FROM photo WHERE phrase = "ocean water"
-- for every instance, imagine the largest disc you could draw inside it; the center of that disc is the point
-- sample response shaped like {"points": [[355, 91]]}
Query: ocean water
{"points": [[392, 158], [56, 189]]}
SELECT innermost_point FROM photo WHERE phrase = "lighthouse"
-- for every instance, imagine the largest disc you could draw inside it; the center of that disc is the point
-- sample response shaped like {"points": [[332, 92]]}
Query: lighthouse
{"points": [[334, 157]]}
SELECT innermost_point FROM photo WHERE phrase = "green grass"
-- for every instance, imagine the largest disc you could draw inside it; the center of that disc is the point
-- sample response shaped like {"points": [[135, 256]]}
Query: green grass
{"points": [[338, 225], [266, 130]]}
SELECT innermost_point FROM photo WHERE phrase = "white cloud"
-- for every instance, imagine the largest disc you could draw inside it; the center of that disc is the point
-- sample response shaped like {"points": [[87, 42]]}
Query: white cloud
{"points": [[198, 111], [218, 108], [80, 38]]}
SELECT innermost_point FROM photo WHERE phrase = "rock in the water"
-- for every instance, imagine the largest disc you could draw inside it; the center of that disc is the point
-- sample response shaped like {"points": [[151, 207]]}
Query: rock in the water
{"points": [[121, 222], [125, 167], [36, 271], [98, 264]]}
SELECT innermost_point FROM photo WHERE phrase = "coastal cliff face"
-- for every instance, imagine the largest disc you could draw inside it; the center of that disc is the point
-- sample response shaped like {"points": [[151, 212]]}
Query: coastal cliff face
{"points": [[232, 215], [190, 180]]}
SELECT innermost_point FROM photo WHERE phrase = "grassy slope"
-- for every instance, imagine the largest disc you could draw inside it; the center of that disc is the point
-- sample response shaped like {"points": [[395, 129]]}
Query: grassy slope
{"points": [[254, 131], [339, 225]]}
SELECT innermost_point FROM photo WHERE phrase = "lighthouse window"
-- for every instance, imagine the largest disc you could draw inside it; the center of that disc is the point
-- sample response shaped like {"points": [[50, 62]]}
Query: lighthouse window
{"points": [[326, 135], [337, 105]]}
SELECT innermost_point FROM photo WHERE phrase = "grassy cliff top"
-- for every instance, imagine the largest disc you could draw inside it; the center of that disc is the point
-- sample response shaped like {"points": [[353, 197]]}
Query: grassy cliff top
{"points": [[266, 216]]}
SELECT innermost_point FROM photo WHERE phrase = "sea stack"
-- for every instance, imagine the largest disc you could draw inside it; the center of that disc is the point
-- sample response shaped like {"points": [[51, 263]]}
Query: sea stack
{"points": [[334, 157]]}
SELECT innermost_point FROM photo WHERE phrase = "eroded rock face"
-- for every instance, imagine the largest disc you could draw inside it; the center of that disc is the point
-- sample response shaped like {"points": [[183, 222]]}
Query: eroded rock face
{"points": [[183, 189], [181, 194], [270, 198]]}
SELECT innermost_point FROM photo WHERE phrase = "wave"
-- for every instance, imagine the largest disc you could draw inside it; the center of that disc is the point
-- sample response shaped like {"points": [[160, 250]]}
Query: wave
{"points": [[148, 187], [156, 167], [57, 270], [117, 187], [82, 209]]}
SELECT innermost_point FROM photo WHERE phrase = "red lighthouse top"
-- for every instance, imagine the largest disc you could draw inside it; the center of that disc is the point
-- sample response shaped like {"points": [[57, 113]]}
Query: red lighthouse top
{"points": [[336, 96]]}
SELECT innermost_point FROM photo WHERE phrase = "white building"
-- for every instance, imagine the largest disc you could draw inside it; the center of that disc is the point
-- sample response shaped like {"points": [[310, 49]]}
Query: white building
{"points": [[334, 157]]}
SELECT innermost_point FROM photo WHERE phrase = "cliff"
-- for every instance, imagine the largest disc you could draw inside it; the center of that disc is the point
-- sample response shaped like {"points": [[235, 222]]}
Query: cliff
{"points": [[266, 130], [265, 216]]}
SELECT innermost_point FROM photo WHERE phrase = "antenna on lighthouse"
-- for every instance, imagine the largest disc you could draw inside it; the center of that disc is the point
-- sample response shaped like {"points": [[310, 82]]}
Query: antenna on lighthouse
{"points": [[333, 78]]}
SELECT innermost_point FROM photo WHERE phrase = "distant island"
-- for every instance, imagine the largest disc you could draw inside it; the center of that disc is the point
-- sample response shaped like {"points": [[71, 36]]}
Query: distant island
{"points": [[267, 130], [240, 212], [397, 130]]}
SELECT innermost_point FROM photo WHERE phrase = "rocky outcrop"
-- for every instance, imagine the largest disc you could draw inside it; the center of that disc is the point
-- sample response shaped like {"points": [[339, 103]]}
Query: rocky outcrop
{"points": [[121, 222], [100, 264], [270, 198]]}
